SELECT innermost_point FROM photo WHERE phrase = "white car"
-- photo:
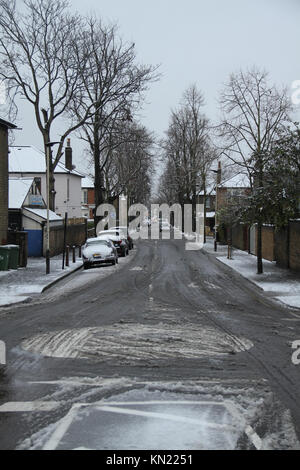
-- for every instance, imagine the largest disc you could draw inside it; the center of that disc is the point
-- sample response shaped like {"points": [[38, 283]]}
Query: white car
{"points": [[124, 231], [118, 238], [165, 226], [98, 251]]}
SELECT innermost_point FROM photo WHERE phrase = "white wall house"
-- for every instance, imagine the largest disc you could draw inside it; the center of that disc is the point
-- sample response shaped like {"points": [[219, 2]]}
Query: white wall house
{"points": [[27, 211], [27, 161]]}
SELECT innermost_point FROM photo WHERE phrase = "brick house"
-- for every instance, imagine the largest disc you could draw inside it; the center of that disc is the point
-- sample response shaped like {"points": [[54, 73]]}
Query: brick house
{"points": [[87, 198]]}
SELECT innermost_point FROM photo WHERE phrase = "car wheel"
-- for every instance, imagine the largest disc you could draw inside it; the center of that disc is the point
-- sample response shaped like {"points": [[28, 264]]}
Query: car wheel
{"points": [[86, 265], [113, 262]]}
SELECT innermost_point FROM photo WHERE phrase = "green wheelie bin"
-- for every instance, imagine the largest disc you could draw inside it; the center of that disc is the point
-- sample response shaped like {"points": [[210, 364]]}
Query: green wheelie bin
{"points": [[4, 257], [13, 256]]}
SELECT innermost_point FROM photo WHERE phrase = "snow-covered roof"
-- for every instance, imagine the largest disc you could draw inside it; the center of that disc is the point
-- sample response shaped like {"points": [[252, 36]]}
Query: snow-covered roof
{"points": [[240, 180], [28, 159], [210, 190], [87, 182], [43, 214], [6, 124], [17, 192]]}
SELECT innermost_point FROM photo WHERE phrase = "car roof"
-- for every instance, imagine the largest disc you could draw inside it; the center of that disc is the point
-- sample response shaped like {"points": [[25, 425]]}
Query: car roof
{"points": [[106, 232], [89, 240]]}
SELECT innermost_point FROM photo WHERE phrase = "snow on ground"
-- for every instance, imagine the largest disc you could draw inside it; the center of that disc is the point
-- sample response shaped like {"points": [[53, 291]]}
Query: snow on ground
{"points": [[123, 413], [18, 285], [132, 343], [284, 284]]}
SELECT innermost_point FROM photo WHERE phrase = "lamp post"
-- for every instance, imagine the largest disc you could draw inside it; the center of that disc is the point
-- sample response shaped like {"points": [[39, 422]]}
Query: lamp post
{"points": [[218, 173], [48, 147]]}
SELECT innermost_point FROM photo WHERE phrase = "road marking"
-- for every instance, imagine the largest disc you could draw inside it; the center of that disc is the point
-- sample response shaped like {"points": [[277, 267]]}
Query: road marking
{"points": [[28, 406], [62, 428], [165, 416], [254, 437], [249, 431], [211, 285], [137, 268], [114, 407], [192, 285]]}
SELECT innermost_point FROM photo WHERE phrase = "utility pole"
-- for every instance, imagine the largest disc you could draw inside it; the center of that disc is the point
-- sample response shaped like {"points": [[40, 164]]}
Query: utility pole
{"points": [[48, 149], [218, 181]]}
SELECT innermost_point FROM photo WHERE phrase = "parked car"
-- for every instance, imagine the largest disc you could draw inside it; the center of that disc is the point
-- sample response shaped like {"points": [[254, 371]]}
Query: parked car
{"points": [[165, 226], [124, 230], [98, 251], [119, 240]]}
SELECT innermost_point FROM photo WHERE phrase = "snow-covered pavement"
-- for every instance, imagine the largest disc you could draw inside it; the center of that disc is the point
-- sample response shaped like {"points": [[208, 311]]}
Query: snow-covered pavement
{"points": [[20, 284], [282, 284]]}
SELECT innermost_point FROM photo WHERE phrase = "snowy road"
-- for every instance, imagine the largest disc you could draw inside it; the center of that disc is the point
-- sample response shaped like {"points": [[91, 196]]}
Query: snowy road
{"points": [[172, 350]]}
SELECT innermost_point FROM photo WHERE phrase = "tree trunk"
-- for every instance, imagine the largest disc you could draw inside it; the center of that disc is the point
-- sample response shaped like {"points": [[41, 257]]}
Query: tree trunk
{"points": [[99, 192], [204, 208], [259, 224], [259, 248], [51, 188]]}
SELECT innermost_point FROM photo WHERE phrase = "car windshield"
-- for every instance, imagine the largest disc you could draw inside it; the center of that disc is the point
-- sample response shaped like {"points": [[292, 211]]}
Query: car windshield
{"points": [[111, 232], [98, 242]]}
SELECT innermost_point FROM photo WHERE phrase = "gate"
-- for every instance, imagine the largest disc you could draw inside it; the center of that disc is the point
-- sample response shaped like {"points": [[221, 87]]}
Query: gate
{"points": [[253, 239]]}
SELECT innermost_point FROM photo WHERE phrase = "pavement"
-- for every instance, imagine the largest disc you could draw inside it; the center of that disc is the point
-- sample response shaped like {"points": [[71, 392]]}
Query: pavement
{"points": [[171, 350], [20, 285], [283, 285]]}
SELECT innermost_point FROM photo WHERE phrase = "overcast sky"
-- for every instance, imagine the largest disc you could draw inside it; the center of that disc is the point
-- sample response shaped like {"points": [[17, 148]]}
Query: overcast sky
{"points": [[197, 41]]}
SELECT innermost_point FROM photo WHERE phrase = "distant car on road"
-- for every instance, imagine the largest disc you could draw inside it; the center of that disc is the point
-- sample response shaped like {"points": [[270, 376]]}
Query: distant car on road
{"points": [[119, 240], [164, 226], [98, 251], [124, 230]]}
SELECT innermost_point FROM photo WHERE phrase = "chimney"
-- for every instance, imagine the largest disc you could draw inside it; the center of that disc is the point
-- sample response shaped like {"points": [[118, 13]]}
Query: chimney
{"points": [[219, 174], [68, 156]]}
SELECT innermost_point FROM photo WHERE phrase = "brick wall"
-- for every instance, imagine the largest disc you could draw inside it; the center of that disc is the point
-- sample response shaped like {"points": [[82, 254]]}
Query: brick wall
{"points": [[294, 258], [240, 237], [282, 248], [240, 234], [91, 196], [268, 243]]}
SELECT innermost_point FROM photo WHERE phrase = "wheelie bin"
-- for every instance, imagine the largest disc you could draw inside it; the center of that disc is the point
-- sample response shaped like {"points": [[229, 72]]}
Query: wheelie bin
{"points": [[13, 256], [4, 257]]}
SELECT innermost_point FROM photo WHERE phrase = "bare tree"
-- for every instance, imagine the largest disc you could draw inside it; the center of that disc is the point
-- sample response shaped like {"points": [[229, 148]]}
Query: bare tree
{"points": [[188, 150], [253, 114], [41, 60], [113, 87], [129, 168]]}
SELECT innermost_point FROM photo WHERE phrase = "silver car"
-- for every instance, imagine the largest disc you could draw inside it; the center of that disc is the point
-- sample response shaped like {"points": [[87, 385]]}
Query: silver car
{"points": [[98, 251], [118, 239]]}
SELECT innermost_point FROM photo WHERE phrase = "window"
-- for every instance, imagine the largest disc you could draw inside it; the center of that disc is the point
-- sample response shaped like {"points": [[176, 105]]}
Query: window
{"points": [[85, 196], [37, 186]]}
